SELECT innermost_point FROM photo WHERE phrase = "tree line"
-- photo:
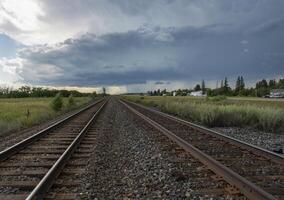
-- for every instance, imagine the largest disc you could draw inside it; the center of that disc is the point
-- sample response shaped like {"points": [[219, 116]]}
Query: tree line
{"points": [[260, 89], [27, 91]]}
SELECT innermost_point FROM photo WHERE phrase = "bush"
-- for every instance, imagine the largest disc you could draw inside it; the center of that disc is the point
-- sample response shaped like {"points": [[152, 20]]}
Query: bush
{"points": [[270, 120], [57, 103], [213, 113], [71, 101], [94, 95]]}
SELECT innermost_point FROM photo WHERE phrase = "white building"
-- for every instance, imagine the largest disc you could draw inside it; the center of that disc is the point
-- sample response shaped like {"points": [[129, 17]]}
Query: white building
{"points": [[277, 93], [197, 94]]}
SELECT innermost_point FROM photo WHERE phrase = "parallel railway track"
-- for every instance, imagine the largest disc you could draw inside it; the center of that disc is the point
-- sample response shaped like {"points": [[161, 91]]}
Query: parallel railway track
{"points": [[45, 165], [252, 171], [29, 168]]}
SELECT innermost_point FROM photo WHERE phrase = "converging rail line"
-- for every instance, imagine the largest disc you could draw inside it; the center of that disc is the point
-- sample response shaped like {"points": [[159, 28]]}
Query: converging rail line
{"points": [[252, 171], [45, 165], [29, 168]]}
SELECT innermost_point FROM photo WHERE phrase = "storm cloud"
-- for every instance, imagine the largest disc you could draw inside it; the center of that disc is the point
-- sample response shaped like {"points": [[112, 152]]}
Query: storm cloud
{"points": [[134, 42]]}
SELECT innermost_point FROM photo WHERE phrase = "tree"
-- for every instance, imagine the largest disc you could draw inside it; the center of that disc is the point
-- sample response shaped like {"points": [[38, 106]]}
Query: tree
{"points": [[104, 91], [222, 84], [261, 84], [94, 95], [197, 88], [203, 87], [57, 103], [272, 84], [262, 88], [238, 85], [280, 84], [179, 92], [242, 83], [159, 92], [226, 86]]}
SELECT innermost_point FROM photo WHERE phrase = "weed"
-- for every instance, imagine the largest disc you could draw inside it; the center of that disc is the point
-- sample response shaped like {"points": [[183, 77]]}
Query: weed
{"points": [[57, 103], [221, 112]]}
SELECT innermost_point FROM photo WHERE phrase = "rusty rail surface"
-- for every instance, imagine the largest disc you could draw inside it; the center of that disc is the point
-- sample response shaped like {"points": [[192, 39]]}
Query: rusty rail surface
{"points": [[246, 187], [47, 161], [24, 143], [278, 158], [47, 181]]}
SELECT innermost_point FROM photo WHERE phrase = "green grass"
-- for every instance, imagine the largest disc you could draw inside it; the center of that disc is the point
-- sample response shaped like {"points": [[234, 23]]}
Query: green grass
{"points": [[13, 112], [266, 115]]}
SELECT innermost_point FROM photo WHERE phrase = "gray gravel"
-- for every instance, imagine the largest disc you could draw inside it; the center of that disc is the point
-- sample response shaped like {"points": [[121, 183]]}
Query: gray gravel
{"points": [[269, 141], [131, 161]]}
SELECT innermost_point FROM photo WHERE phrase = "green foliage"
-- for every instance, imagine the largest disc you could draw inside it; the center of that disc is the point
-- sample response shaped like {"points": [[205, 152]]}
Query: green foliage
{"points": [[197, 88], [261, 88], [203, 88], [104, 91], [71, 101], [57, 103], [26, 91], [270, 120], [221, 111], [94, 95], [17, 113], [240, 86], [226, 86]]}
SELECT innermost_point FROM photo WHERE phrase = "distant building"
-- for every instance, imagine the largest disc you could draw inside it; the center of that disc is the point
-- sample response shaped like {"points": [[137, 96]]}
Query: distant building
{"points": [[197, 94], [277, 93], [174, 93]]}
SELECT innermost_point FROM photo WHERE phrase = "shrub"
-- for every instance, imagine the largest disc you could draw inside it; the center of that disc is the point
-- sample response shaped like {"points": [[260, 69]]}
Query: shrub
{"points": [[210, 118], [71, 101], [57, 103], [94, 95], [270, 120], [214, 113]]}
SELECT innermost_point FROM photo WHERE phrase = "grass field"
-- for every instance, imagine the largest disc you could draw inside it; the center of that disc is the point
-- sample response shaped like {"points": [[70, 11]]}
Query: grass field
{"points": [[13, 112], [257, 113]]}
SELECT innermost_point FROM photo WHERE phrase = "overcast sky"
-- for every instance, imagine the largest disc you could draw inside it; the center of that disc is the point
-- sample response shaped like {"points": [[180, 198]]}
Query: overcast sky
{"points": [[137, 45]]}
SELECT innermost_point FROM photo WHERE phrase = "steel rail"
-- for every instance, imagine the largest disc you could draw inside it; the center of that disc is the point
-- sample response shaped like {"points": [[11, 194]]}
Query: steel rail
{"points": [[246, 187], [46, 182], [278, 158], [24, 143]]}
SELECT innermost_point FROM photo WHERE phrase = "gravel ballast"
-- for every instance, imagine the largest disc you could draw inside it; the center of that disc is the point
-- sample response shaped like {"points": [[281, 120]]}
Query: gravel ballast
{"points": [[270, 141], [131, 161]]}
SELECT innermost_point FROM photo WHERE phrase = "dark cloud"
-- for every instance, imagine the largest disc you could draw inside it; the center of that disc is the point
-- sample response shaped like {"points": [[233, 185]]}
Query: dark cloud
{"points": [[189, 41], [159, 83], [155, 53]]}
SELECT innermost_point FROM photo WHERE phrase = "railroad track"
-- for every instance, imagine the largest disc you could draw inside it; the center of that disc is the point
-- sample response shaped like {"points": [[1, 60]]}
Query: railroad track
{"points": [[250, 170], [29, 168]]}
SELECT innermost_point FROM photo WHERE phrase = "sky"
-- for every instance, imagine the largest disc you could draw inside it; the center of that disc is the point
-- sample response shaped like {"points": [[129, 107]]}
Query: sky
{"points": [[138, 45]]}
